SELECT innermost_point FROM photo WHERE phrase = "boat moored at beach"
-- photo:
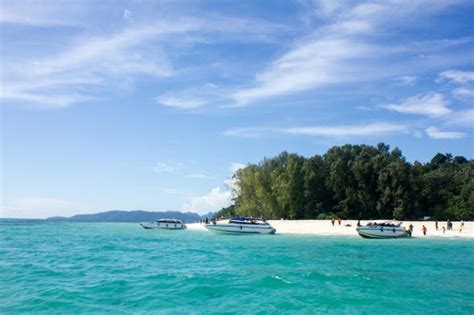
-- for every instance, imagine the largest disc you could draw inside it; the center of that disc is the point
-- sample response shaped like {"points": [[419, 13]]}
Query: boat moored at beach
{"points": [[241, 226], [167, 224], [387, 229]]}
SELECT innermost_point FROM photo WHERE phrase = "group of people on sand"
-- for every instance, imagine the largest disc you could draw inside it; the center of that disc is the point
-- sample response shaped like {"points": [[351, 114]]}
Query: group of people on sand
{"points": [[449, 226], [424, 229], [207, 221], [333, 221]]}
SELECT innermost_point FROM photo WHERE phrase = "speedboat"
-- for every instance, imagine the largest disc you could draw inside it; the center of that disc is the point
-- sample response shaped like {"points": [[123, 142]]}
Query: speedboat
{"points": [[241, 226], [387, 229], [167, 224]]}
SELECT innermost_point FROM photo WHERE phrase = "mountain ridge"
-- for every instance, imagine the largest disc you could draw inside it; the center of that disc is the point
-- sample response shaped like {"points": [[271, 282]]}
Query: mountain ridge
{"points": [[132, 216]]}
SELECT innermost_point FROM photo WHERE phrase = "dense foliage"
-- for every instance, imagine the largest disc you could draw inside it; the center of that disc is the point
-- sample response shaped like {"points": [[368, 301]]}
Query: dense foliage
{"points": [[358, 182]]}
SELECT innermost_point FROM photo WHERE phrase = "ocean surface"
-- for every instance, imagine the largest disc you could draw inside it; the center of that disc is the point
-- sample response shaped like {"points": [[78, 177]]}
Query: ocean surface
{"points": [[116, 268]]}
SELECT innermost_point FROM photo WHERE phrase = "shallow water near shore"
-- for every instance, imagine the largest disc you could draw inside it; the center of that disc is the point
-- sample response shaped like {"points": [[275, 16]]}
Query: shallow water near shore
{"points": [[120, 268]]}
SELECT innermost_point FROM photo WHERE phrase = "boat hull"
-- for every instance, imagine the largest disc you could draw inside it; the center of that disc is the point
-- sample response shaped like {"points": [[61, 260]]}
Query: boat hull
{"points": [[240, 228], [167, 226], [382, 232]]}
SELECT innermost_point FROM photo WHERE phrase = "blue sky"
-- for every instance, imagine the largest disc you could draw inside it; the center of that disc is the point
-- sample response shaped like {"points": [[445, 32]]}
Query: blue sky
{"points": [[154, 104]]}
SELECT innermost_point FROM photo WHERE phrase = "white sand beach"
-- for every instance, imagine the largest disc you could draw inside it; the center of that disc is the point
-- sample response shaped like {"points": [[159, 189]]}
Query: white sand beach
{"points": [[324, 227]]}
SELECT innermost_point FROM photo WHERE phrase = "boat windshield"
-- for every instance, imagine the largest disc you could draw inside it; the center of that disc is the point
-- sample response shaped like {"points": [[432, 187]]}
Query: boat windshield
{"points": [[386, 223], [247, 221], [169, 221]]}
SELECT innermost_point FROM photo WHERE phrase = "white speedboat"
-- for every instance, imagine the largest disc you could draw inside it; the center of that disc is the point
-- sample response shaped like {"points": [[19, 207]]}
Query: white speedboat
{"points": [[167, 224], [241, 226], [387, 229]]}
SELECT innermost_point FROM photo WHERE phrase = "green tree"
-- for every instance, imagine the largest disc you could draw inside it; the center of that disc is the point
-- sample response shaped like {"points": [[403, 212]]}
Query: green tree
{"points": [[356, 181]]}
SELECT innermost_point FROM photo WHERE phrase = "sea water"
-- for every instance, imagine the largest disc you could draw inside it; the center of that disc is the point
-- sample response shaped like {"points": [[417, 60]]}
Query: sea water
{"points": [[59, 267]]}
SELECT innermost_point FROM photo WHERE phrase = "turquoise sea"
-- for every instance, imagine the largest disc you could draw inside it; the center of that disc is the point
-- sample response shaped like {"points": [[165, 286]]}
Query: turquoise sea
{"points": [[52, 267]]}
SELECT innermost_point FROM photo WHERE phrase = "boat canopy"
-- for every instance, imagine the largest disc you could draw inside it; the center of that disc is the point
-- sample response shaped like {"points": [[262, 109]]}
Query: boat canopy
{"points": [[243, 220], [385, 223], [169, 221]]}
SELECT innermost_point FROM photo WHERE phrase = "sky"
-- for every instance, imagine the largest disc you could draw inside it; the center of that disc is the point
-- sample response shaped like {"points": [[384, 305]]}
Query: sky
{"points": [[155, 104]]}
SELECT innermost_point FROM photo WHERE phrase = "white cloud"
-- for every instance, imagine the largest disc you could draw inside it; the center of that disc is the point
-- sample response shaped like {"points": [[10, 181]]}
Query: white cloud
{"points": [[112, 55], [167, 167], [97, 60], [462, 118], [366, 108], [432, 104], [463, 92], [47, 100], [198, 175], [213, 201], [329, 8], [180, 102], [42, 14], [235, 166], [435, 105], [335, 131], [192, 98], [311, 64], [435, 133], [456, 76], [345, 50], [371, 129]]}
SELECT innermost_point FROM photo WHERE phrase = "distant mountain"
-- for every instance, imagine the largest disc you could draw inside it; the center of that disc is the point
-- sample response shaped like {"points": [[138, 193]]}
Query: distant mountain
{"points": [[132, 216]]}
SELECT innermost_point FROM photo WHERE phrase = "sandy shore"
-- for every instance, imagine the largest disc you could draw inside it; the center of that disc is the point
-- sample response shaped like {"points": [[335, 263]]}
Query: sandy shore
{"points": [[324, 227]]}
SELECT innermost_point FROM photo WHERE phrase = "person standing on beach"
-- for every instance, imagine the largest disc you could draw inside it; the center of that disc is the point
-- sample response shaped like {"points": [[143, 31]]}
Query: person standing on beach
{"points": [[444, 230], [339, 220], [332, 221], [436, 225], [424, 230]]}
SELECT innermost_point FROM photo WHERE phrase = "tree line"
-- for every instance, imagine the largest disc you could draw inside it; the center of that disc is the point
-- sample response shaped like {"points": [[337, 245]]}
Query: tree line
{"points": [[355, 182]]}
